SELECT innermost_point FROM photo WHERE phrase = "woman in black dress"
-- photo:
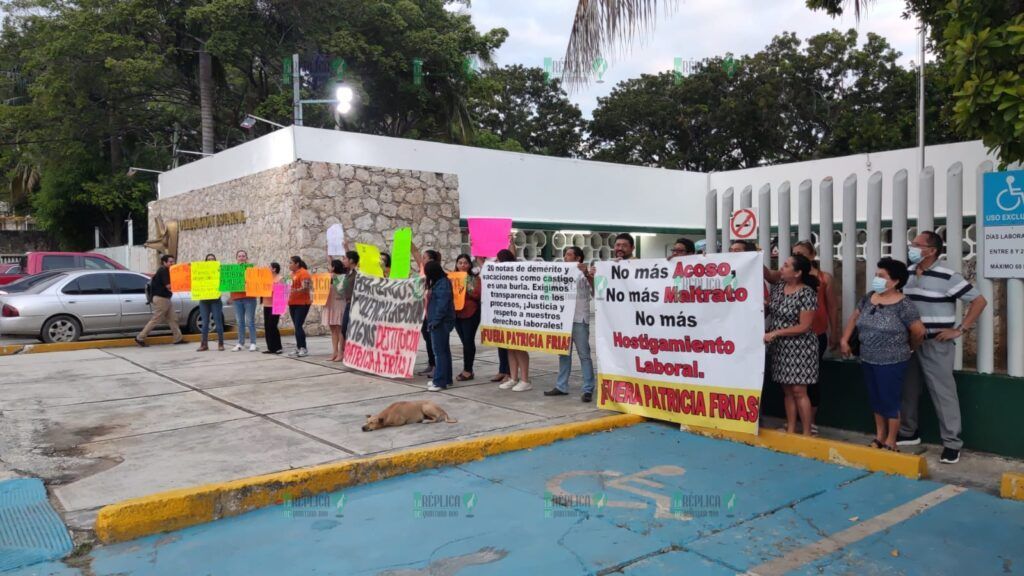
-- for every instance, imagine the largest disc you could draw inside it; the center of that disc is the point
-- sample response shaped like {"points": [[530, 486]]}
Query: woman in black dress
{"points": [[793, 347]]}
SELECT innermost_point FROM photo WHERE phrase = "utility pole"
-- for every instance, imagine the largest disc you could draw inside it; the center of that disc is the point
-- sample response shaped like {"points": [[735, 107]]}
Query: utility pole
{"points": [[296, 95], [920, 97]]}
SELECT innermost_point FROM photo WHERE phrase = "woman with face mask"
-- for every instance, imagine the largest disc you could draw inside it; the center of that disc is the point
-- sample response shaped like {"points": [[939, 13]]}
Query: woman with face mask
{"points": [[889, 329]]}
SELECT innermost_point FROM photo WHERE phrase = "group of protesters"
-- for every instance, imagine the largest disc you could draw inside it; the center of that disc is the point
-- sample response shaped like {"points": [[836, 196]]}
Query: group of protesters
{"points": [[903, 329]]}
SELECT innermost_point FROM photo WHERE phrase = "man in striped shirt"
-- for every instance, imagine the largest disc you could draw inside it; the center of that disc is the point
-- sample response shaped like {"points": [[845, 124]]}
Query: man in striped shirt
{"points": [[934, 290]]}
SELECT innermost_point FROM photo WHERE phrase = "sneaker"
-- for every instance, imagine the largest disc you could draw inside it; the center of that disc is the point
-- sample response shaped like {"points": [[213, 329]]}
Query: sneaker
{"points": [[902, 440], [814, 429], [252, 348], [587, 397], [237, 348], [269, 352], [508, 384], [294, 353], [950, 456], [302, 353], [555, 392], [522, 386], [434, 387], [141, 343], [279, 352]]}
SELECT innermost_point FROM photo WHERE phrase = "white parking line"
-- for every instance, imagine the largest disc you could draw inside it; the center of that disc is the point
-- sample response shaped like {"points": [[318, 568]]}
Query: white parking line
{"points": [[840, 540]]}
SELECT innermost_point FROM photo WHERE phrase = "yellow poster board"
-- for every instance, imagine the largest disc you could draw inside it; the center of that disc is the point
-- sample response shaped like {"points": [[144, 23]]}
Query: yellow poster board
{"points": [[205, 280]]}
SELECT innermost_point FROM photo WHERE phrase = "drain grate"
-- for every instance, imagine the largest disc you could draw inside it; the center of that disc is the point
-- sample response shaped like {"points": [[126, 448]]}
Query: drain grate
{"points": [[30, 530]]}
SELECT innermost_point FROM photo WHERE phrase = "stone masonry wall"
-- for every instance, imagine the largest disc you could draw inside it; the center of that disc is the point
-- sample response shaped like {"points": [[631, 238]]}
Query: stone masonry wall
{"points": [[289, 209]]}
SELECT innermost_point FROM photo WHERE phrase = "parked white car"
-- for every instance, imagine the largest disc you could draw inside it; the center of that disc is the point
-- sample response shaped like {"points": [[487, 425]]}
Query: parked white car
{"points": [[63, 305]]}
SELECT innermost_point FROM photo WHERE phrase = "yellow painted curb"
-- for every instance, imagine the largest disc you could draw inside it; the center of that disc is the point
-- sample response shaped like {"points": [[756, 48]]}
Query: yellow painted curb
{"points": [[912, 466], [1012, 486], [185, 507], [11, 349]]}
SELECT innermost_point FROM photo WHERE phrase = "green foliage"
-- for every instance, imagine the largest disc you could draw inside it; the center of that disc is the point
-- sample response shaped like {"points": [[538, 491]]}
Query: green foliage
{"points": [[786, 103], [981, 45], [520, 104]]}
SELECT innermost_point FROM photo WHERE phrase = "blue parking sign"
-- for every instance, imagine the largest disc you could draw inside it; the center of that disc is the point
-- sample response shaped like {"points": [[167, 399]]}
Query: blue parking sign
{"points": [[1003, 217], [1004, 198]]}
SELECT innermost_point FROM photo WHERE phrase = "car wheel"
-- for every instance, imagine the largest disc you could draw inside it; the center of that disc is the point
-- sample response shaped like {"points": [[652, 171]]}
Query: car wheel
{"points": [[61, 329], [192, 326]]}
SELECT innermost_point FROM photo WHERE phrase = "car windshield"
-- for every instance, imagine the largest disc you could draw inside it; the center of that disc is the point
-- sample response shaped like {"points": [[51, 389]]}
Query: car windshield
{"points": [[33, 283]]}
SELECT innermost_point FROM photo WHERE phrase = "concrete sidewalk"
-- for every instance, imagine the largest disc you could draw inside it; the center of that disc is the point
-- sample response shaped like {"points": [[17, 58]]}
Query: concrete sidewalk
{"points": [[101, 426]]}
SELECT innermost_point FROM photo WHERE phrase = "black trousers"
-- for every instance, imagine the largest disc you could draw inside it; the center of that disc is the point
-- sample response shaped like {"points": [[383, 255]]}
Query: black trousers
{"points": [[270, 330], [430, 347], [466, 328]]}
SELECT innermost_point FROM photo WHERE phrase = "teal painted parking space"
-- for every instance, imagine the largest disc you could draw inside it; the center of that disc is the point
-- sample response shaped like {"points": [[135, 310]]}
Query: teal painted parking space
{"points": [[644, 500]]}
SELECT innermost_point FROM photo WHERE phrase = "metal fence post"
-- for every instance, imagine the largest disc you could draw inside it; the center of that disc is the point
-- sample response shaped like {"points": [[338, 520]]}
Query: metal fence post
{"points": [[986, 322], [926, 200], [849, 245], [899, 216], [804, 211], [726, 217], [711, 221], [826, 251], [764, 222], [955, 238], [873, 248], [785, 222]]}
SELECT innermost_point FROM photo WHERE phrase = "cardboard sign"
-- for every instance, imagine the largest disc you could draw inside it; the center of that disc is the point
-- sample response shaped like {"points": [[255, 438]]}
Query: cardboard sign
{"points": [[384, 326], [321, 288], [279, 304], [488, 236], [232, 277], [205, 280], [458, 280], [401, 253], [336, 240], [258, 282], [369, 260], [181, 278]]}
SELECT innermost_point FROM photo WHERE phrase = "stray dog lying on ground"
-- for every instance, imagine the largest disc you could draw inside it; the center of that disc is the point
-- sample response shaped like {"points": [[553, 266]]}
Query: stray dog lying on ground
{"points": [[402, 413]]}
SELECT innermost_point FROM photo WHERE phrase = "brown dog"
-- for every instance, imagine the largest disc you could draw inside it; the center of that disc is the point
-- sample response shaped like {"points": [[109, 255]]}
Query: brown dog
{"points": [[402, 413]]}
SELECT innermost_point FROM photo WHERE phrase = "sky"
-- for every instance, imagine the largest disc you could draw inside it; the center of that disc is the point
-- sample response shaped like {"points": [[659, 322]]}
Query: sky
{"points": [[696, 29]]}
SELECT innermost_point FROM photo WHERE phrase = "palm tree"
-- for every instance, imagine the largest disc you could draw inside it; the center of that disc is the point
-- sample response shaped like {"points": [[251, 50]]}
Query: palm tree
{"points": [[604, 25]]}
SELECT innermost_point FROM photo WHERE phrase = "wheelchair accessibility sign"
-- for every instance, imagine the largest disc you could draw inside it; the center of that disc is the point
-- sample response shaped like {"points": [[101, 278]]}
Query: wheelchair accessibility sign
{"points": [[1004, 224]]}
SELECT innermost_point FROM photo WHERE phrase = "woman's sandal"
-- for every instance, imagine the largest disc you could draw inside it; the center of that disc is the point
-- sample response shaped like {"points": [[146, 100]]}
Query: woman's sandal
{"points": [[499, 378], [892, 448], [462, 377], [876, 444]]}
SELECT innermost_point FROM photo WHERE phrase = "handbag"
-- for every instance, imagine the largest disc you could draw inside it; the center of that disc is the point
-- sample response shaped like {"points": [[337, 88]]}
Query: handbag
{"points": [[855, 342]]}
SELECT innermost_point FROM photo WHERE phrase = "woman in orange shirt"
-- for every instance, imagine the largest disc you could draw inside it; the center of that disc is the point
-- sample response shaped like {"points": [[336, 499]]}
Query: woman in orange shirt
{"points": [[825, 325], [299, 300]]}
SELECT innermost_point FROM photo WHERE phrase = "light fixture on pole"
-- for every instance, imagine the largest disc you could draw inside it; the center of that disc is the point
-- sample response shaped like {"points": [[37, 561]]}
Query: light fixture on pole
{"points": [[133, 170], [345, 96], [250, 121]]}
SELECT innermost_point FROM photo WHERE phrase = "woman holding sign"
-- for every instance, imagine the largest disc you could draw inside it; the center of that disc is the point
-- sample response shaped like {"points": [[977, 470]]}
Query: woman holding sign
{"points": [[440, 321], [211, 310], [270, 320], [793, 344], [334, 310], [467, 320], [300, 298]]}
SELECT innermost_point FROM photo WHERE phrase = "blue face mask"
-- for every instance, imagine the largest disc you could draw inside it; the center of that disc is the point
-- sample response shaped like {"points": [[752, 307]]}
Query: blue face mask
{"points": [[914, 254], [878, 284]]}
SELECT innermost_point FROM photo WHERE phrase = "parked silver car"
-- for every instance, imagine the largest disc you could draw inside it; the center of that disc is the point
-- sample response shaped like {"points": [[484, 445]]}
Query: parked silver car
{"points": [[62, 305]]}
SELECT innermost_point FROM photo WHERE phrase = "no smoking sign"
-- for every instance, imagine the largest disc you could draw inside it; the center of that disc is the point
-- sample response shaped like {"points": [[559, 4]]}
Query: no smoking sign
{"points": [[743, 224]]}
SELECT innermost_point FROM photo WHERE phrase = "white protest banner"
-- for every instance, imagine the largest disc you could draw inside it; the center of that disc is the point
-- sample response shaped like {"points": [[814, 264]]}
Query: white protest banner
{"points": [[336, 240], [384, 326], [529, 305], [682, 340]]}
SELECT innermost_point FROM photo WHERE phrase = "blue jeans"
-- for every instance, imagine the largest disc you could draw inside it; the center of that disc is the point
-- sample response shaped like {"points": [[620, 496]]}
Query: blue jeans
{"points": [[245, 315], [439, 335], [581, 341], [298, 312], [214, 308]]}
